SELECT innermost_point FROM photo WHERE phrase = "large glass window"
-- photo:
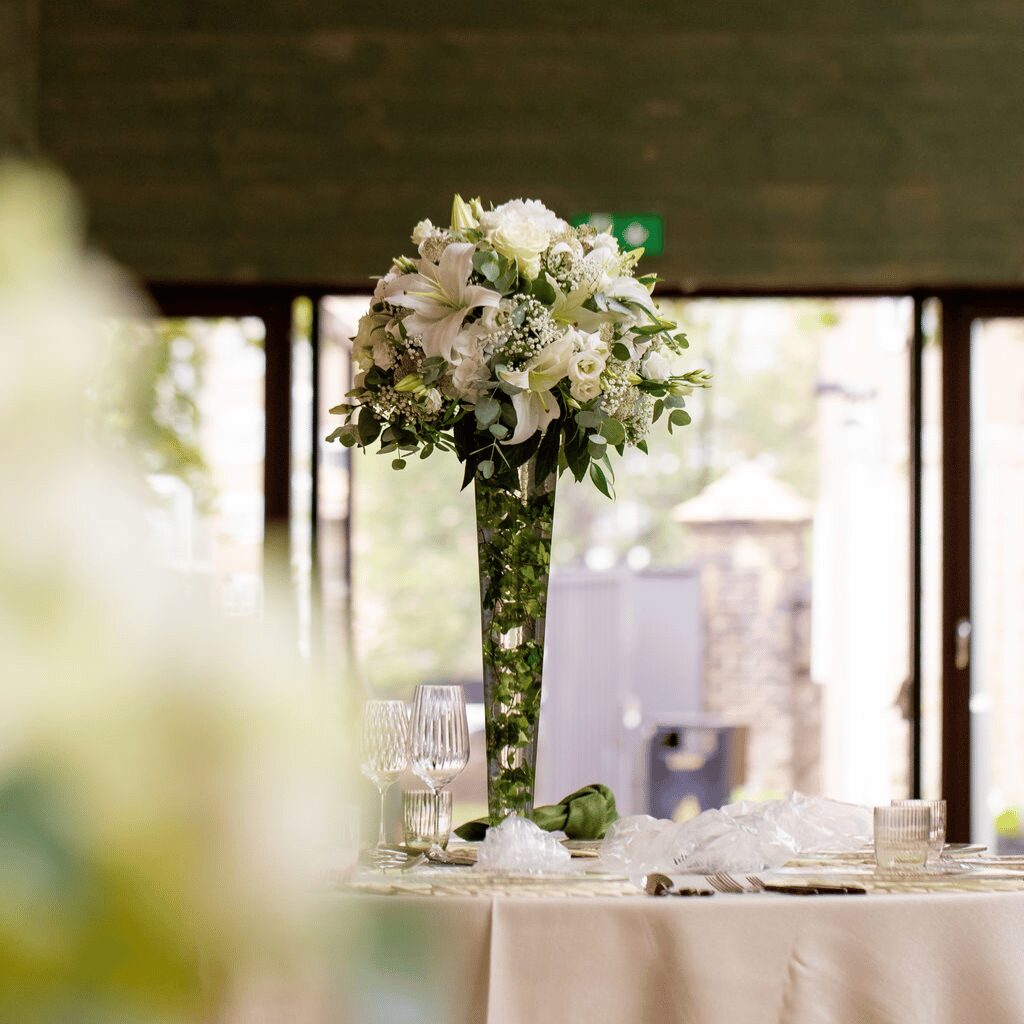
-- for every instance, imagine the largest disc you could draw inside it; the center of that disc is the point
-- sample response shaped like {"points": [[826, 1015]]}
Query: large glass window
{"points": [[753, 574], [187, 401]]}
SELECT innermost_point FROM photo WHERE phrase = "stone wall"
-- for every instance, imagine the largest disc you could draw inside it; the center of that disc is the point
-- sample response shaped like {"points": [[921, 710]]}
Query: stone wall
{"points": [[755, 598]]}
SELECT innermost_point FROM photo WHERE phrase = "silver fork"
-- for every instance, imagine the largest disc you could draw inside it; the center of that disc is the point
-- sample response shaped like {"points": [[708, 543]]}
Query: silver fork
{"points": [[724, 882]]}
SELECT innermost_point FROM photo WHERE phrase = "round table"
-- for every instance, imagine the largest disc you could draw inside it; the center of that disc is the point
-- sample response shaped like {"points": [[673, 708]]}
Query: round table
{"points": [[936, 958]]}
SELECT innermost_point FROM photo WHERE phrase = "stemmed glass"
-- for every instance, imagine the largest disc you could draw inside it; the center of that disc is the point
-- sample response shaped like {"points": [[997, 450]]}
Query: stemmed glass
{"points": [[384, 749], [438, 741]]}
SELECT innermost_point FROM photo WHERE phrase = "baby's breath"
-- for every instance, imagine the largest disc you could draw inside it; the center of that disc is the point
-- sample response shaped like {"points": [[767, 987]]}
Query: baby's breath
{"points": [[531, 328]]}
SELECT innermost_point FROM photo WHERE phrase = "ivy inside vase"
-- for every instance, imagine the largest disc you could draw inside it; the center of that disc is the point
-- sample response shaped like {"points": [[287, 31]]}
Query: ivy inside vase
{"points": [[514, 527]]}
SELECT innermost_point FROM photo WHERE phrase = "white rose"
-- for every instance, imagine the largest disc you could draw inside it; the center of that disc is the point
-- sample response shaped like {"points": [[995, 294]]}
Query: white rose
{"points": [[605, 241], [362, 343], [587, 341], [585, 369], [655, 367], [469, 378], [523, 242], [432, 400], [383, 353], [477, 340], [422, 232], [529, 210]]}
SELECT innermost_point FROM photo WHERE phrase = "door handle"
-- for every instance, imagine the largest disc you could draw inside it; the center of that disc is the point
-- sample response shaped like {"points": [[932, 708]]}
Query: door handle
{"points": [[962, 658]]}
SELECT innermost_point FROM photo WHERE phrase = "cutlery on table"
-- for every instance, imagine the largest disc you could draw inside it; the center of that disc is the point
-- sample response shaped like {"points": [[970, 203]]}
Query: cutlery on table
{"points": [[657, 884], [726, 883]]}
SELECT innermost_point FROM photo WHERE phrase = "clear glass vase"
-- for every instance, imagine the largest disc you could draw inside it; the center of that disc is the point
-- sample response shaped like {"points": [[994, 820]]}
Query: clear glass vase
{"points": [[514, 517]]}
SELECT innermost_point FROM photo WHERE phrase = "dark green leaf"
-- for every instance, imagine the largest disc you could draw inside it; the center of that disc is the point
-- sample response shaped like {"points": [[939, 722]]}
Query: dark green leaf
{"points": [[368, 426], [548, 452], [621, 352], [398, 464], [600, 480]]}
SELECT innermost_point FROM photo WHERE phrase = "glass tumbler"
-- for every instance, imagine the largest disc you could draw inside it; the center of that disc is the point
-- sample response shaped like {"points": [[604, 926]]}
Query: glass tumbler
{"points": [[419, 808], [937, 836], [902, 838]]}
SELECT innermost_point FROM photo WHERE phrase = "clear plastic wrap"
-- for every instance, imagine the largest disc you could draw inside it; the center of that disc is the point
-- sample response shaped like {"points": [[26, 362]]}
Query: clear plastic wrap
{"points": [[745, 836], [519, 846]]}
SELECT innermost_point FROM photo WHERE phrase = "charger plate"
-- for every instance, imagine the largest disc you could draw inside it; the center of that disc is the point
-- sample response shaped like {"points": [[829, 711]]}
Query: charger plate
{"points": [[441, 882]]}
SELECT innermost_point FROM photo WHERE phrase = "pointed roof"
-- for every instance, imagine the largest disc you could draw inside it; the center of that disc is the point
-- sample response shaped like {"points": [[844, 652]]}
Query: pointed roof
{"points": [[747, 493]]}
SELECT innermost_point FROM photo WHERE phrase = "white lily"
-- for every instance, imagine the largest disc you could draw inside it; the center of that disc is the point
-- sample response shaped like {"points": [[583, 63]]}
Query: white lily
{"points": [[463, 216], [441, 298], [568, 308], [535, 404], [629, 289]]}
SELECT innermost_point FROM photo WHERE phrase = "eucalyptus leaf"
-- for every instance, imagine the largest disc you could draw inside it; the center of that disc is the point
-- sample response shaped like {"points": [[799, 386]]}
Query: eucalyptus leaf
{"points": [[613, 431], [487, 411], [368, 426]]}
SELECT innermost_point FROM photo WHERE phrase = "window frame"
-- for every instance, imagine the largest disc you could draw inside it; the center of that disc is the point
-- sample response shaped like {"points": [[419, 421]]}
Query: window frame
{"points": [[273, 303]]}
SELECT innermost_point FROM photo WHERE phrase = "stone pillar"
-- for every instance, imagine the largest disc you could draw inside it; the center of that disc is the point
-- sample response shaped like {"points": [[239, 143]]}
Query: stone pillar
{"points": [[749, 537]]}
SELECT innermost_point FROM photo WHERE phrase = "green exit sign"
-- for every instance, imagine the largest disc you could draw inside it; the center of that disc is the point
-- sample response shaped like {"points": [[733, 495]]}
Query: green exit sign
{"points": [[633, 230]]}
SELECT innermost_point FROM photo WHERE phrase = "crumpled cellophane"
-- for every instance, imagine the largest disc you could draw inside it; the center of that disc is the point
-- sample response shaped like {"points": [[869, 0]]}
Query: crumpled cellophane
{"points": [[746, 836]]}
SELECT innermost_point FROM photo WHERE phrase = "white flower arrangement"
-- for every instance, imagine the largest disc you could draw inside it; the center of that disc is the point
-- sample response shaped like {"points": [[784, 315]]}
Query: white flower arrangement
{"points": [[514, 334]]}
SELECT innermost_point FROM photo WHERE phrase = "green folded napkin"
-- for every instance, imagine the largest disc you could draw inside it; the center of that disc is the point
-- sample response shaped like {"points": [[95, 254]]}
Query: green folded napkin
{"points": [[585, 814]]}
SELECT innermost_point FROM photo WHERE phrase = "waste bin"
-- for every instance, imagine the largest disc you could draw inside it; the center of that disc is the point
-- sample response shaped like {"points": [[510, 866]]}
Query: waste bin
{"points": [[693, 766]]}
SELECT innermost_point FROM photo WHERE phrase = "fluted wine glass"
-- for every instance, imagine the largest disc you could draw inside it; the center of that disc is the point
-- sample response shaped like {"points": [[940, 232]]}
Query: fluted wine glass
{"points": [[438, 740], [384, 749]]}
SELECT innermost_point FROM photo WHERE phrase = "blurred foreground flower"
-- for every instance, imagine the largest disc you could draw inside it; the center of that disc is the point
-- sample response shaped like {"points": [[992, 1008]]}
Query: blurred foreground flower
{"points": [[166, 785]]}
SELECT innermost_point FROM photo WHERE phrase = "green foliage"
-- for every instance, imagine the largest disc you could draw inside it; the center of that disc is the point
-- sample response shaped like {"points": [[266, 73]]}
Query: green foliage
{"points": [[514, 523]]}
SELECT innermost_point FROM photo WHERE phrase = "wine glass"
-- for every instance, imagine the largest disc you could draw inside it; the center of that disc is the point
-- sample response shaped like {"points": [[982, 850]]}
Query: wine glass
{"points": [[384, 749], [438, 741]]}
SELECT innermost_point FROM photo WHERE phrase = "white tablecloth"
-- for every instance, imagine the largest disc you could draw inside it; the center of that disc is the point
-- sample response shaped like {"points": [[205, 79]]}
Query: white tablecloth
{"points": [[952, 958]]}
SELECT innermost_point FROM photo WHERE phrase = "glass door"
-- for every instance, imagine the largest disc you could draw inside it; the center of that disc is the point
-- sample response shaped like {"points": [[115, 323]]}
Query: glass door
{"points": [[993, 638], [983, 569]]}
